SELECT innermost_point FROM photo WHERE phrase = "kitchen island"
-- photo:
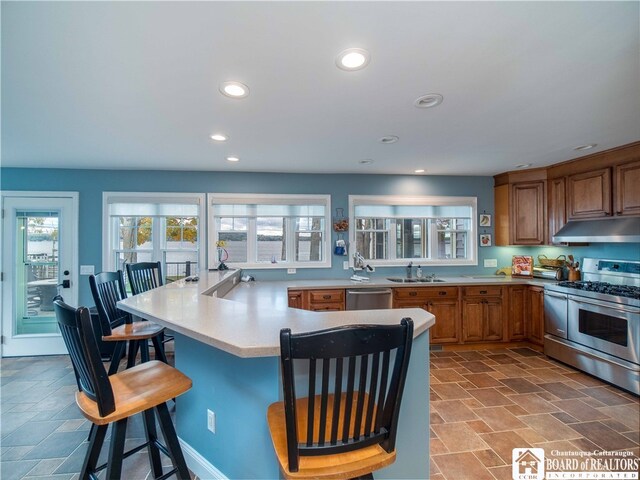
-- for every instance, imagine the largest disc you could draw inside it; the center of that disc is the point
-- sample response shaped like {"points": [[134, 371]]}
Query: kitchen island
{"points": [[227, 342]]}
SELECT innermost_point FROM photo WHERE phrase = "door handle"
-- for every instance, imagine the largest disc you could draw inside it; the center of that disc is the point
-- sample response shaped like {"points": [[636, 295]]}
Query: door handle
{"points": [[65, 284]]}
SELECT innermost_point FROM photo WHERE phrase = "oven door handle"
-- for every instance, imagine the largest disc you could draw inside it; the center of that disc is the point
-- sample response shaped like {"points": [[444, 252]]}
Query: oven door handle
{"points": [[620, 308]]}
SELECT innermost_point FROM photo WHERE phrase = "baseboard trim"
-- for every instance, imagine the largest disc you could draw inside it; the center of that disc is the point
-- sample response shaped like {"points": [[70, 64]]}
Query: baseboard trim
{"points": [[200, 465]]}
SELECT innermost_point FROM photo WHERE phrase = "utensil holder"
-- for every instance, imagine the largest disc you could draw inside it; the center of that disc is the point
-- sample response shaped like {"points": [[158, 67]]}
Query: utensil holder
{"points": [[574, 276]]}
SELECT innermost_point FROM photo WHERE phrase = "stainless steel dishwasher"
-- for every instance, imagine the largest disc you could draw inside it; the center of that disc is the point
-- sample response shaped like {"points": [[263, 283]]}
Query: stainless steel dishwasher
{"points": [[368, 298]]}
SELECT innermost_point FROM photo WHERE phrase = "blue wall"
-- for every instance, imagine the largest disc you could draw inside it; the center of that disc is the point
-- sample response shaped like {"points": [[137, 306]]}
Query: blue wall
{"points": [[91, 184]]}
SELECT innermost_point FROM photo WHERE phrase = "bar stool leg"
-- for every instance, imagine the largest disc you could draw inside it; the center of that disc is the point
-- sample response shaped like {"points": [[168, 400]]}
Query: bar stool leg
{"points": [[118, 351], [171, 439], [133, 352], [144, 351], [159, 348], [116, 450], [96, 440], [152, 437]]}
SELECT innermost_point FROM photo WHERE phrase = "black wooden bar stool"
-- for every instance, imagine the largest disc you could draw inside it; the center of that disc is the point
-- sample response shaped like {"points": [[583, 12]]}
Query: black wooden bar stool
{"points": [[105, 400], [347, 430], [145, 276], [107, 289]]}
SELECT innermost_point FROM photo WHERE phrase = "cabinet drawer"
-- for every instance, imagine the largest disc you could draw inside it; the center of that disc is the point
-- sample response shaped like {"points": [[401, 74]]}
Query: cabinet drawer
{"points": [[441, 292], [409, 293], [484, 291], [326, 307], [326, 296]]}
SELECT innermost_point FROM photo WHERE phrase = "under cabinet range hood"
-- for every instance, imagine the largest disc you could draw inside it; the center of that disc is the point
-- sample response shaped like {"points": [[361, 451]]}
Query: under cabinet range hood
{"points": [[614, 230]]}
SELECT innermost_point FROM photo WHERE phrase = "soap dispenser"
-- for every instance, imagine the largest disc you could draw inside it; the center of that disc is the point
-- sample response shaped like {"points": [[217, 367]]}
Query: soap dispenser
{"points": [[419, 272]]}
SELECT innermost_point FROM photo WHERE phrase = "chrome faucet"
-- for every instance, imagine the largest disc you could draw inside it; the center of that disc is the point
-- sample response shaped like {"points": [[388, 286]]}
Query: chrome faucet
{"points": [[358, 261], [409, 271]]}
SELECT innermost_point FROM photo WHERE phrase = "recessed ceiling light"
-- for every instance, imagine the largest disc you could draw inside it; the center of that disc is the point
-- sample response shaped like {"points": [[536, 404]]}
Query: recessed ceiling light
{"points": [[429, 100], [524, 165], [389, 139], [420, 170], [234, 89], [219, 137], [586, 147], [353, 59], [233, 159], [366, 161]]}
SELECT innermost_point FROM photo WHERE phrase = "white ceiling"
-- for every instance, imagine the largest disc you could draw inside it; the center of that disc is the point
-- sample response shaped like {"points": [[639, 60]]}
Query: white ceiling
{"points": [[135, 85]]}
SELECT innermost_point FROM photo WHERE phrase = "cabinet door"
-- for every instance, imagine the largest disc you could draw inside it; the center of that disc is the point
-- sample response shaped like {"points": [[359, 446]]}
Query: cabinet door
{"points": [[493, 323], [627, 189], [472, 319], [535, 309], [557, 206], [528, 216], [589, 194], [295, 298], [447, 313], [516, 320]]}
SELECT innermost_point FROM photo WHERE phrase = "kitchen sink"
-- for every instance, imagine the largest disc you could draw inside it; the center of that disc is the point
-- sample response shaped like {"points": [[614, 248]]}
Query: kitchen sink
{"points": [[414, 280]]}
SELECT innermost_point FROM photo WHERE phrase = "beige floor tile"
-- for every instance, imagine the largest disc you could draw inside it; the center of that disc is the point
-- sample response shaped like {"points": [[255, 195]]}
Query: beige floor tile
{"points": [[490, 397], [450, 391], [531, 435], [549, 427], [445, 375], [499, 419], [482, 380], [504, 442], [459, 437], [462, 466], [489, 458], [603, 436], [627, 414], [454, 411], [580, 410]]}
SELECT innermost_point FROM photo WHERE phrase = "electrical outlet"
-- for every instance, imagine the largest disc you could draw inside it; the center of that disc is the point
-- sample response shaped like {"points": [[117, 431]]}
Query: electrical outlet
{"points": [[87, 269], [491, 262], [291, 270], [211, 421], [345, 265]]}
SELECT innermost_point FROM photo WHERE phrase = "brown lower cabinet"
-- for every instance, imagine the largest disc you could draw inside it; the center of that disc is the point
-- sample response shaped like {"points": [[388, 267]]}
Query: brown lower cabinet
{"points": [[482, 319], [535, 313], [442, 302], [470, 314]]}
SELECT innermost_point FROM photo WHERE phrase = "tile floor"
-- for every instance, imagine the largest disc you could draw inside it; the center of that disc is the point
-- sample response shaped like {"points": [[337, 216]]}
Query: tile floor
{"points": [[483, 404], [42, 433]]}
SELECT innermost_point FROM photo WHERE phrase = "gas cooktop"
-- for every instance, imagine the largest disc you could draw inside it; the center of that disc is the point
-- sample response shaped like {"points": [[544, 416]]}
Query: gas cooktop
{"points": [[604, 288]]}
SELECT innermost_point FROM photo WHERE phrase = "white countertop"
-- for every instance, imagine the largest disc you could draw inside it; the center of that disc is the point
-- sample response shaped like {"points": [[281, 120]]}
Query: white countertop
{"points": [[247, 322]]}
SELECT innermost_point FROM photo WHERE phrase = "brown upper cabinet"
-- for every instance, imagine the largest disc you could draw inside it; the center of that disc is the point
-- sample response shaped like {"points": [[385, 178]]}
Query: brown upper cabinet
{"points": [[601, 185], [589, 194], [520, 208], [531, 206], [627, 188]]}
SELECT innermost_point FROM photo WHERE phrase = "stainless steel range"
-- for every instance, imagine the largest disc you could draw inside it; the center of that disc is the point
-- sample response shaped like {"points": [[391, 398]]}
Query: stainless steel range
{"points": [[594, 324]]}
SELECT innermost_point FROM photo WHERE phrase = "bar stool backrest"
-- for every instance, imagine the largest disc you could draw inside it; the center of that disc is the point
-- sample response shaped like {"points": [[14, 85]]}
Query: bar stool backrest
{"points": [[346, 414], [108, 289], [77, 332], [144, 276]]}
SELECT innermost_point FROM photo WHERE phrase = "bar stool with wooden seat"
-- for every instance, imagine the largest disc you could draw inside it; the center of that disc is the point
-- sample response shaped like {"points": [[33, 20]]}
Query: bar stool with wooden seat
{"points": [[107, 289], [104, 400], [145, 276], [347, 430]]}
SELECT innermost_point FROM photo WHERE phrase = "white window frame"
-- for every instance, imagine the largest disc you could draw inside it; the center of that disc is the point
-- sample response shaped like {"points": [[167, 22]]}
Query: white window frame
{"points": [[434, 200], [269, 199], [109, 234]]}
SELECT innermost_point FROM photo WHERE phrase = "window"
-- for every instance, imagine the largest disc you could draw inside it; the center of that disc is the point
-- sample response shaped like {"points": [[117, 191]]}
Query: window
{"points": [[390, 230], [270, 231], [151, 227]]}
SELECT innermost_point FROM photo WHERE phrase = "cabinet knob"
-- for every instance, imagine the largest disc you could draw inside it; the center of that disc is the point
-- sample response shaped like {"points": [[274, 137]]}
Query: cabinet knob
{"points": [[483, 292], [326, 297], [413, 294], [442, 293]]}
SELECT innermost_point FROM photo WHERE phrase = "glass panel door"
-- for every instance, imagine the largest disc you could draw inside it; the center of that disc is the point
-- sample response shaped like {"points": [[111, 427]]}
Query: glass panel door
{"points": [[39, 260], [37, 273]]}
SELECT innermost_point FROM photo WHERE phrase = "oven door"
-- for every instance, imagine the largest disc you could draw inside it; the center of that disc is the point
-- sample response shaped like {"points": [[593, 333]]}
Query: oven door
{"points": [[605, 326]]}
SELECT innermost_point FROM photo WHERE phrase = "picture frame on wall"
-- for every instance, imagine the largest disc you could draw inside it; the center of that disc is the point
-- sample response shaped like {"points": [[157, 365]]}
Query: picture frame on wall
{"points": [[485, 220], [485, 240]]}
